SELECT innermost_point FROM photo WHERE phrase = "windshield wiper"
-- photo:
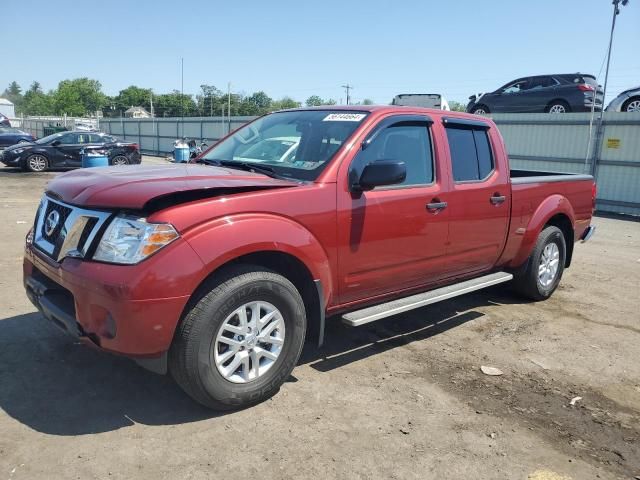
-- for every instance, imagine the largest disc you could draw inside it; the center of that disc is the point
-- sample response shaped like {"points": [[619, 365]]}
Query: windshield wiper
{"points": [[246, 166]]}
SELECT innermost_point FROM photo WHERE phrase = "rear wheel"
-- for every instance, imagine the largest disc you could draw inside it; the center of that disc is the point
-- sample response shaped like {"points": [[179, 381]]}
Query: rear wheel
{"points": [[480, 110], [36, 163], [120, 160], [632, 105], [238, 344], [543, 270], [558, 106]]}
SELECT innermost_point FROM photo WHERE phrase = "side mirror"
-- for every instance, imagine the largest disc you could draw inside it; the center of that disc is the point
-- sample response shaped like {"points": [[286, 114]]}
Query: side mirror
{"points": [[382, 172], [55, 143]]}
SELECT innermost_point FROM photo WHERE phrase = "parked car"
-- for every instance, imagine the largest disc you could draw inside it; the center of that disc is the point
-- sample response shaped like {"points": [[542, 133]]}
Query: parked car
{"points": [[4, 121], [426, 100], [562, 93], [218, 272], [63, 150], [627, 101], [12, 136]]}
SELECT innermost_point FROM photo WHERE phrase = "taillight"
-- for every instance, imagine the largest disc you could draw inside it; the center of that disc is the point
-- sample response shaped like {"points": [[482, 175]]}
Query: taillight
{"points": [[136, 146], [594, 193], [585, 87]]}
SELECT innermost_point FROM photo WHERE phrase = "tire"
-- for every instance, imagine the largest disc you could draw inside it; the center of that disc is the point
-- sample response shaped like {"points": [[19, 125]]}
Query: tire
{"points": [[530, 282], [558, 106], [36, 163], [202, 360], [631, 105], [480, 110], [119, 160]]}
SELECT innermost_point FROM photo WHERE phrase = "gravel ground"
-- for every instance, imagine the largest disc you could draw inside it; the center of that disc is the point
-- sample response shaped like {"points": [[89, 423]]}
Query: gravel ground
{"points": [[401, 398]]}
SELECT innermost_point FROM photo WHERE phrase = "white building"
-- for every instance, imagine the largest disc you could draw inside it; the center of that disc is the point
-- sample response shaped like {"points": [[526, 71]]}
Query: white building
{"points": [[6, 108]]}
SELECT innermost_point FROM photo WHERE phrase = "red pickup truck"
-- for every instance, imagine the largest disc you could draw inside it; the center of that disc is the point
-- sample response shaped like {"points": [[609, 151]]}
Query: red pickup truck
{"points": [[217, 272]]}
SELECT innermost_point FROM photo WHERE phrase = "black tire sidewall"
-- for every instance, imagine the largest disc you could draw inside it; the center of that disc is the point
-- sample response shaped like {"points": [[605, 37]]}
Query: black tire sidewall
{"points": [[548, 235], [293, 313]]}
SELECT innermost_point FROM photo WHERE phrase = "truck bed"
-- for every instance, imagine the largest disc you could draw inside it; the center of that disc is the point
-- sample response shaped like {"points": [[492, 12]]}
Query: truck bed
{"points": [[531, 176]]}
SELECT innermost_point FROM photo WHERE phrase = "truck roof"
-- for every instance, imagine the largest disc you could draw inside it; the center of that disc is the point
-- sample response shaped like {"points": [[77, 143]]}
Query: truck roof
{"points": [[390, 109]]}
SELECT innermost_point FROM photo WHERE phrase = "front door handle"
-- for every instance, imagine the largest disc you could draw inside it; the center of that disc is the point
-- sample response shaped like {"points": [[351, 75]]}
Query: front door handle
{"points": [[435, 207], [497, 199]]}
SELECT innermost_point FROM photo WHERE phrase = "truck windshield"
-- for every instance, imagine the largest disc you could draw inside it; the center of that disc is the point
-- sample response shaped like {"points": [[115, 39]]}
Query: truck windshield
{"points": [[296, 144]]}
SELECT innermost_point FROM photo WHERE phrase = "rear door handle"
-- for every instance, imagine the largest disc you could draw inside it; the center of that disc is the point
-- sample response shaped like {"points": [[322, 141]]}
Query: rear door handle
{"points": [[497, 199], [435, 207]]}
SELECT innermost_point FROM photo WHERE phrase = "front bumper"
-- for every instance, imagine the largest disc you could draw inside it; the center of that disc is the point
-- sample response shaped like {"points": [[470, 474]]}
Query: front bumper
{"points": [[129, 310], [9, 158]]}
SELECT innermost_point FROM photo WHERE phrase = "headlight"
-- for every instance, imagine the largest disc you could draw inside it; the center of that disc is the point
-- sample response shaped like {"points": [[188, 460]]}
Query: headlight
{"points": [[18, 151], [130, 240]]}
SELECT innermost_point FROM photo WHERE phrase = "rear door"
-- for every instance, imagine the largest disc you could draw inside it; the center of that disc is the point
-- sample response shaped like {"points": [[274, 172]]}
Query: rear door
{"points": [[389, 238], [73, 155], [541, 90], [479, 199]]}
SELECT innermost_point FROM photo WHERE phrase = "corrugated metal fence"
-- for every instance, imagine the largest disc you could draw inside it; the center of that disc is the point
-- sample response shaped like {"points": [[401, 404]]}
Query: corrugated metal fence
{"points": [[571, 143], [156, 135]]}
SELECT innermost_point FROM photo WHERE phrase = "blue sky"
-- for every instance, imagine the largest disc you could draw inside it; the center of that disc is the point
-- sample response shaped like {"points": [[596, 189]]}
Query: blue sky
{"points": [[298, 48]]}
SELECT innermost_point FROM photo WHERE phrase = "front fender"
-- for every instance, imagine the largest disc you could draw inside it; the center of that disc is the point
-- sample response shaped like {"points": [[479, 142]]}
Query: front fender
{"points": [[224, 239], [550, 206]]}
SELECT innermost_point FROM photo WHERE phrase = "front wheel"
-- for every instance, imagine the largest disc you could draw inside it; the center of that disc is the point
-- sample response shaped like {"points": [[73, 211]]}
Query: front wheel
{"points": [[480, 110], [544, 268], [238, 344], [120, 160], [36, 163]]}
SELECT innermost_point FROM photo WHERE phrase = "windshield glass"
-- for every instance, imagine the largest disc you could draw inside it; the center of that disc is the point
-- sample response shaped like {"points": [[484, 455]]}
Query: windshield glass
{"points": [[297, 144], [50, 138]]}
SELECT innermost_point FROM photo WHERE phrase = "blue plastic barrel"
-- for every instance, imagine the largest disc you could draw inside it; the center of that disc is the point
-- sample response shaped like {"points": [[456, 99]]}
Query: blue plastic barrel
{"points": [[181, 154], [94, 160]]}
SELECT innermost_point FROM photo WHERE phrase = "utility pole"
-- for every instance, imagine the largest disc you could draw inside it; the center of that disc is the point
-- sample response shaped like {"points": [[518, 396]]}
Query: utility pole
{"points": [[599, 130], [182, 93], [229, 106], [347, 87]]}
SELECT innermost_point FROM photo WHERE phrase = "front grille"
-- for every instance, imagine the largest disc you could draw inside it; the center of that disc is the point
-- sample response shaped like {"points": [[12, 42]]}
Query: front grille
{"points": [[63, 214], [70, 233]]}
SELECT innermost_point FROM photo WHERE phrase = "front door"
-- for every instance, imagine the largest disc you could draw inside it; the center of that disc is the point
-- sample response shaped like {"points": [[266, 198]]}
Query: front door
{"points": [[389, 238], [479, 200]]}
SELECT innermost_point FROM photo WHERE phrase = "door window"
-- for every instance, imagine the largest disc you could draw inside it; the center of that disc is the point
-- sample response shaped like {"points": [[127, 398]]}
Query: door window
{"points": [[471, 157], [93, 138], [406, 142], [68, 139], [517, 87]]}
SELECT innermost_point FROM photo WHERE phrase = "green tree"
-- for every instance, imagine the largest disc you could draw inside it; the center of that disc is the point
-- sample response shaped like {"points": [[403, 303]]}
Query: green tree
{"points": [[284, 103], [367, 101], [457, 106], [78, 97], [14, 95], [36, 102], [258, 103], [316, 101], [175, 104], [132, 96], [209, 100]]}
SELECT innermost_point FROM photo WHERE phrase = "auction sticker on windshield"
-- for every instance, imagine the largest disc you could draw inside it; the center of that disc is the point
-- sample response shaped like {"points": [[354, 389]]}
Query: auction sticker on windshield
{"points": [[344, 117]]}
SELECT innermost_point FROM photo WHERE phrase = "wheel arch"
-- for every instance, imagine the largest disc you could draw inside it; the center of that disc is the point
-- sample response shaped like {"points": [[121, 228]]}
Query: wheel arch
{"points": [[557, 100], [628, 101], [555, 210], [275, 243]]}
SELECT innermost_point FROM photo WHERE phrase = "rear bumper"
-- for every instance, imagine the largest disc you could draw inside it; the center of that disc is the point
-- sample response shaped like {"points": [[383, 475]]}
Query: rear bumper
{"points": [[128, 310]]}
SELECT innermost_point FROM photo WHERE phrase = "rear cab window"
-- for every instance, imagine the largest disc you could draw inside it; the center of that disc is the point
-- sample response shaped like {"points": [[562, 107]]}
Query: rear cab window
{"points": [[472, 159]]}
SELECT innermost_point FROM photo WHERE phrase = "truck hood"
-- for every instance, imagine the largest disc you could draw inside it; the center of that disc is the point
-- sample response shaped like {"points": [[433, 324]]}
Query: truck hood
{"points": [[141, 187]]}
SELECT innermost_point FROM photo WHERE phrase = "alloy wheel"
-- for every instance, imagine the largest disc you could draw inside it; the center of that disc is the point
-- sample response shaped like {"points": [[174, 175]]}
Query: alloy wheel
{"points": [[549, 262], [249, 342], [633, 106], [37, 163]]}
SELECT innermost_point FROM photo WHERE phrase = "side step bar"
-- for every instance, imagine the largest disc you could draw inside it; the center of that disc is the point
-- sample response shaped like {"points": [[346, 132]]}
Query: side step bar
{"points": [[371, 314]]}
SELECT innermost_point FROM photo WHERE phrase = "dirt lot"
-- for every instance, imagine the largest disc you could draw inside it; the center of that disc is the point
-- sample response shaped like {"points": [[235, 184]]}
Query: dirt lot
{"points": [[402, 398]]}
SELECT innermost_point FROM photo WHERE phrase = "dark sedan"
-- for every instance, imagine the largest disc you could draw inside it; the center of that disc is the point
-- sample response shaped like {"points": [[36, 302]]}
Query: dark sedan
{"points": [[63, 150], [12, 136], [561, 93]]}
